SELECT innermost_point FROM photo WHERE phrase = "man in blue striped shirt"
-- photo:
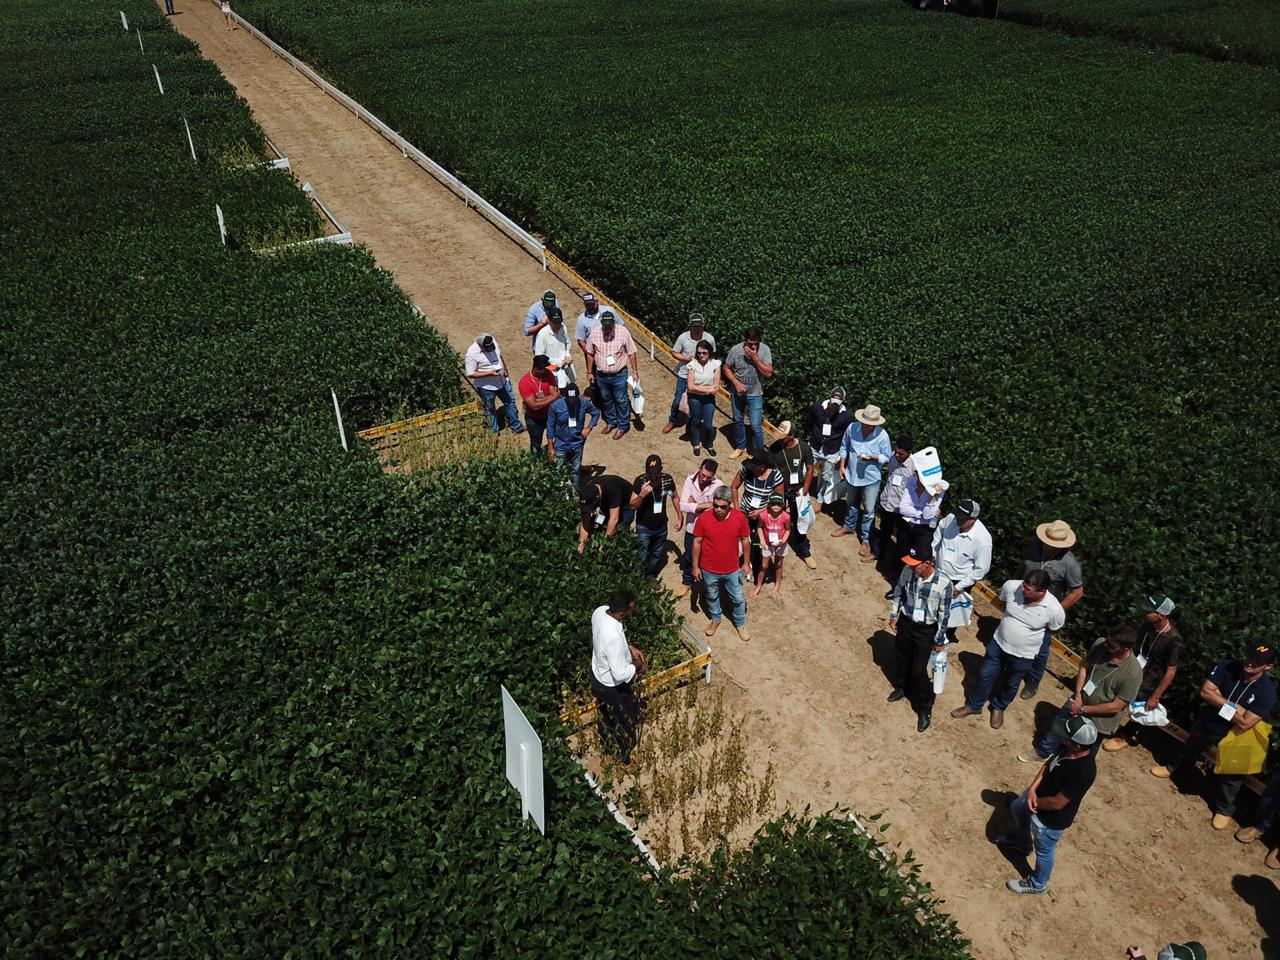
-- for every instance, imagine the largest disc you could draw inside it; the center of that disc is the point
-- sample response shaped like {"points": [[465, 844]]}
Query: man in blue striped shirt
{"points": [[918, 619]]}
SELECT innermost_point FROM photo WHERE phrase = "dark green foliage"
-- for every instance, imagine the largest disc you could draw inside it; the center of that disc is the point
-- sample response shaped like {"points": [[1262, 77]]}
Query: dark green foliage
{"points": [[251, 682]]}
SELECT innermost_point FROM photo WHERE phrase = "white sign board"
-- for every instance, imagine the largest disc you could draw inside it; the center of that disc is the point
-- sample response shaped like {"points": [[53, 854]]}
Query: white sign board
{"points": [[140, 46], [124, 21], [222, 224], [524, 761], [190, 143], [157, 73], [337, 412]]}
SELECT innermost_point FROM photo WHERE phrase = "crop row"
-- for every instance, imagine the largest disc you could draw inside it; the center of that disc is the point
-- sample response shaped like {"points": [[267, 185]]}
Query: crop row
{"points": [[251, 682]]}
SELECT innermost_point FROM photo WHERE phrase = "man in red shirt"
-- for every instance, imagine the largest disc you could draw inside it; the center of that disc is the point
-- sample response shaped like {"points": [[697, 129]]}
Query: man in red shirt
{"points": [[538, 390], [722, 557]]}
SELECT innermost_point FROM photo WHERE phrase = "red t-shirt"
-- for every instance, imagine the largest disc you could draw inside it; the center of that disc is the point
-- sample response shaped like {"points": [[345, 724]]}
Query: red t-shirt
{"points": [[720, 540], [529, 387]]}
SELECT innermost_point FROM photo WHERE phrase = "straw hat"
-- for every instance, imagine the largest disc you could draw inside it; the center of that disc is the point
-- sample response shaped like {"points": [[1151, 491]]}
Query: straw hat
{"points": [[1056, 534], [870, 415]]}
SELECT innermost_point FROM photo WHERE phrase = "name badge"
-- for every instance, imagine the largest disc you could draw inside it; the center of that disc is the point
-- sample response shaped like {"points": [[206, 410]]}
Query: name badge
{"points": [[599, 518], [773, 538], [1227, 711], [657, 504], [1142, 661], [608, 359], [896, 480], [826, 429], [573, 421], [795, 476], [1089, 688], [918, 615]]}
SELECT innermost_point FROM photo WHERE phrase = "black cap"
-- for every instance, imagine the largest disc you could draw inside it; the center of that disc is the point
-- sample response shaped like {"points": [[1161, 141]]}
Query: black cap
{"points": [[653, 463], [1260, 653], [921, 551], [487, 343], [555, 313], [540, 361], [549, 297], [607, 318], [967, 510]]}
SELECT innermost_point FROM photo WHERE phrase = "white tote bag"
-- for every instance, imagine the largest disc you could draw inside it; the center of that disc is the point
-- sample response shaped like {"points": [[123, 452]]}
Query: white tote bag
{"points": [[804, 513], [637, 397]]}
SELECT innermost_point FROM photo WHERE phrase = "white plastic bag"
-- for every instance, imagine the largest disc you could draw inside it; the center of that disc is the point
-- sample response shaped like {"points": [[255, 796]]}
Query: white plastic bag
{"points": [[1139, 713], [804, 513], [637, 397], [938, 667]]}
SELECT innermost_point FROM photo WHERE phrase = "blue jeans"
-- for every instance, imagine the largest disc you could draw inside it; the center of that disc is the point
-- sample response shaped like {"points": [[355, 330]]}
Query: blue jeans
{"points": [[1030, 834], [1268, 804], [682, 385], [702, 415], [537, 433], [752, 408], [570, 461], [732, 584], [995, 662], [1041, 662], [653, 547], [862, 509], [614, 402], [489, 401]]}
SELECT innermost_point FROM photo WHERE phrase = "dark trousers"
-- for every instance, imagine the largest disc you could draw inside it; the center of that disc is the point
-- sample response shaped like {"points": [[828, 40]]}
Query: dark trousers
{"points": [[882, 543], [914, 644], [686, 560], [801, 539], [168, 7], [619, 717], [757, 558], [1224, 787], [653, 547], [537, 434]]}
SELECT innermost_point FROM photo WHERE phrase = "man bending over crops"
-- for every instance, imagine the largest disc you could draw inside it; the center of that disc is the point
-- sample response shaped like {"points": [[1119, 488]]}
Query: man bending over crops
{"points": [[615, 664]]}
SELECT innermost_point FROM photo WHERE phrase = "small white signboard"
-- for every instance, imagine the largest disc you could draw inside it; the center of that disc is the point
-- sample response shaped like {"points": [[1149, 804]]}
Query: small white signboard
{"points": [[157, 73], [190, 143], [337, 412], [140, 46], [222, 224], [124, 21], [524, 761]]}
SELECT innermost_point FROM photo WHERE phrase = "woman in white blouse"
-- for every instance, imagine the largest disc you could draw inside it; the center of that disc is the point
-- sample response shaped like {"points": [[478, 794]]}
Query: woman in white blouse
{"points": [[704, 384]]}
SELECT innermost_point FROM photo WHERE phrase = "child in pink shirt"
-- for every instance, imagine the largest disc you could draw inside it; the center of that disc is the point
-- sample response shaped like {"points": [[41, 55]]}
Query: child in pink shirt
{"points": [[775, 528]]}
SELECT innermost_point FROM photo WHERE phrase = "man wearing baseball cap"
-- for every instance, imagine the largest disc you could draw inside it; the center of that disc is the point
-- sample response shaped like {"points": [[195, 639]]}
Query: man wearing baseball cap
{"points": [[1049, 806], [610, 353], [918, 619], [1237, 695], [794, 458], [962, 551], [827, 421], [653, 498], [682, 352], [1158, 649], [535, 318], [1050, 551]]}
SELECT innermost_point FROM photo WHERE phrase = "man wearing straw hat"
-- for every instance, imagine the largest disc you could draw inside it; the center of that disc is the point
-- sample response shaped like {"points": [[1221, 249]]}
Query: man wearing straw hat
{"points": [[536, 317], [683, 351], [863, 453], [1050, 551]]}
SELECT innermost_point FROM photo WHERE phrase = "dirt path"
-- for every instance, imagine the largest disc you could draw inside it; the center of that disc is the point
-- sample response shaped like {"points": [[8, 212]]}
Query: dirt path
{"points": [[810, 681]]}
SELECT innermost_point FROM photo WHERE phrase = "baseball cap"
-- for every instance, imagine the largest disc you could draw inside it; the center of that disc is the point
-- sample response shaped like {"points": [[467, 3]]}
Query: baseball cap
{"points": [[652, 463], [540, 361], [921, 547], [1260, 653], [837, 393], [969, 510], [1077, 729], [549, 297], [555, 313], [486, 341], [607, 319], [1156, 603], [1191, 950], [697, 320], [777, 498], [589, 297], [785, 429]]}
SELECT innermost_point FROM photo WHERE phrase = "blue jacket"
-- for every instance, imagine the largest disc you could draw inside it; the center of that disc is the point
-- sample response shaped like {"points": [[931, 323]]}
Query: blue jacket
{"points": [[558, 428]]}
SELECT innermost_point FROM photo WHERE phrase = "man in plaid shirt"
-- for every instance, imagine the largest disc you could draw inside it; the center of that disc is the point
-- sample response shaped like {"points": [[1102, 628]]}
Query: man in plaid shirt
{"points": [[610, 354], [918, 618]]}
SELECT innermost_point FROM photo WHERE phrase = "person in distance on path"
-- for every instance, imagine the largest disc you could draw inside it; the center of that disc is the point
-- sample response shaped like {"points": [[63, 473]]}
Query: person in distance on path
{"points": [[226, 12], [685, 347], [610, 353], [1029, 611], [703, 383], [570, 420], [605, 503], [1158, 649], [774, 526], [653, 498], [900, 473], [615, 665], [695, 499], [864, 451], [538, 390], [918, 619], [552, 342], [1043, 813], [746, 367], [484, 367], [1106, 684], [962, 550], [1237, 695], [721, 548], [168, 8], [757, 480], [794, 458], [539, 312], [827, 421], [1050, 551]]}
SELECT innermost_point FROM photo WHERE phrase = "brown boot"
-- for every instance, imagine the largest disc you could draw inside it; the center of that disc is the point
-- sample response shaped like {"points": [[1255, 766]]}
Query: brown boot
{"points": [[964, 711], [1248, 834], [712, 627], [668, 427], [997, 719], [864, 551]]}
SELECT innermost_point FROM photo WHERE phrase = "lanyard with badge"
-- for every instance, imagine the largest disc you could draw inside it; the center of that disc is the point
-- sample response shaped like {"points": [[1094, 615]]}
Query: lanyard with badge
{"points": [[1228, 710], [1144, 656], [659, 496], [1090, 686]]}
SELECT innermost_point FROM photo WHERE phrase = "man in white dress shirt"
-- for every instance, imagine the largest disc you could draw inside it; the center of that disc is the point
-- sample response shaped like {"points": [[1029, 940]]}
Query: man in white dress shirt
{"points": [[614, 665], [962, 551]]}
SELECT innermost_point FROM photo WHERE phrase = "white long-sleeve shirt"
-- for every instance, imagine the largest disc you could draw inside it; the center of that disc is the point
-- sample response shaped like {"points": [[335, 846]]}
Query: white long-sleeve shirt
{"points": [[611, 662], [965, 558]]}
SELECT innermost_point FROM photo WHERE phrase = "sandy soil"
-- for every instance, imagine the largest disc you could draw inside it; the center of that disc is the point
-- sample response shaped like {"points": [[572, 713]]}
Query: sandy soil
{"points": [[1140, 865]]}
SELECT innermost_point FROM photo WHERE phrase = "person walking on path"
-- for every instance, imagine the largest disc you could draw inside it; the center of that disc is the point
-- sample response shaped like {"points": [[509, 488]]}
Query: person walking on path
{"points": [[484, 367], [774, 527], [1049, 806], [168, 8], [827, 421], [899, 474], [1050, 551], [962, 551], [1029, 611], [1237, 695], [605, 503], [757, 480], [695, 499], [538, 390], [1158, 650], [1264, 819], [1106, 683], [539, 314], [918, 621], [721, 547], [653, 498], [746, 367], [703, 383], [589, 319], [553, 343], [794, 458], [615, 665], [226, 12], [610, 353], [684, 351], [570, 420], [864, 451]]}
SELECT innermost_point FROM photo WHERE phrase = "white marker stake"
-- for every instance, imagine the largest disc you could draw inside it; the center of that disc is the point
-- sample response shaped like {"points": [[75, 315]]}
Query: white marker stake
{"points": [[222, 224], [157, 72], [190, 142], [337, 412], [652, 354], [124, 21], [140, 46]]}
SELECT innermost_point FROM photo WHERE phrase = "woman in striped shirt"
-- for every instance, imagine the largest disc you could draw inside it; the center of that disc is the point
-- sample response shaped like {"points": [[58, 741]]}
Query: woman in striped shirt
{"points": [[752, 487]]}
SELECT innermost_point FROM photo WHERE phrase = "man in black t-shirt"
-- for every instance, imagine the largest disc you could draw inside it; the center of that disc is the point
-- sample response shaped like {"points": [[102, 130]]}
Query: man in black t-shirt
{"points": [[1042, 814], [653, 498], [605, 503], [794, 458]]}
